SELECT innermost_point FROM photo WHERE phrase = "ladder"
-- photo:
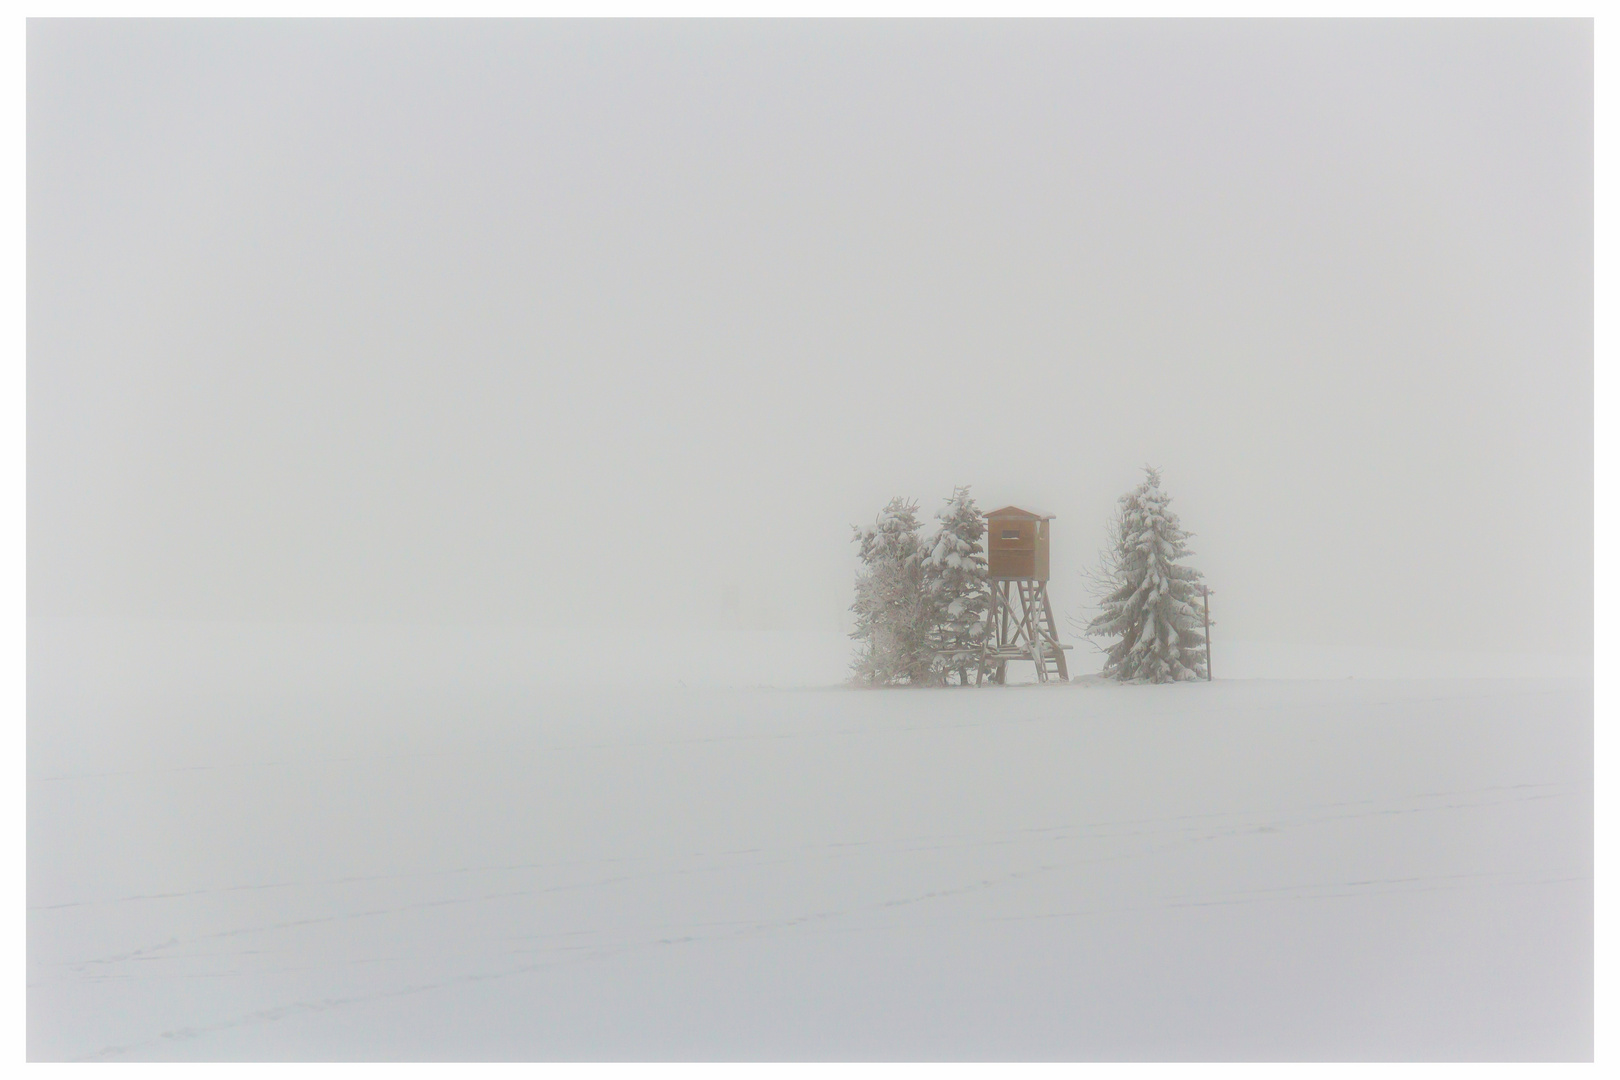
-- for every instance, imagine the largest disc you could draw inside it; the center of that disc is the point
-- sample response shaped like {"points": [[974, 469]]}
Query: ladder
{"points": [[1022, 630], [1048, 665]]}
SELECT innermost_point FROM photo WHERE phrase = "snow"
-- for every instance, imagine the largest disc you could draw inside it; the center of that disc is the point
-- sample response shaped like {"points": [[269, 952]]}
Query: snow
{"points": [[336, 843]]}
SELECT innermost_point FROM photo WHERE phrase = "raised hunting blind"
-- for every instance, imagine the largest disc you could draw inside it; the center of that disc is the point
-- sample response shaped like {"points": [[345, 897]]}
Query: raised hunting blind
{"points": [[1019, 552]]}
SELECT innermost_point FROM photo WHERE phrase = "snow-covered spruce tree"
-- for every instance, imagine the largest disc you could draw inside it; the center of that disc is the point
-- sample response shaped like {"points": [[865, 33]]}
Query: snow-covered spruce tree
{"points": [[955, 575], [1150, 605], [893, 611]]}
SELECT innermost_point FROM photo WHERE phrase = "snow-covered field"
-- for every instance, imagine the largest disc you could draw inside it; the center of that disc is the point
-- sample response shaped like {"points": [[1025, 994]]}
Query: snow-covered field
{"points": [[285, 843]]}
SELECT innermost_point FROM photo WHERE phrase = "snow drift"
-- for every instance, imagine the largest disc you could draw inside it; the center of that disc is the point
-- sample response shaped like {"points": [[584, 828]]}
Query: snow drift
{"points": [[336, 849]]}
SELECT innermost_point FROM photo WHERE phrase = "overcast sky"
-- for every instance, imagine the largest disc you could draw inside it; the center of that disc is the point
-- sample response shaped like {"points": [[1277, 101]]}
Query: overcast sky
{"points": [[543, 322]]}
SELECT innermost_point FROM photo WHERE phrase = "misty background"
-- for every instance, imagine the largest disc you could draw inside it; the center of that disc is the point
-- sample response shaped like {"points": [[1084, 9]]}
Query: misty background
{"points": [[443, 442], [546, 324]]}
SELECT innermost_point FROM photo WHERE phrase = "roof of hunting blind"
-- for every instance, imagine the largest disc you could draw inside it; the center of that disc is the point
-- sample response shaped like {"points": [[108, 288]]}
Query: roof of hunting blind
{"points": [[1019, 512]]}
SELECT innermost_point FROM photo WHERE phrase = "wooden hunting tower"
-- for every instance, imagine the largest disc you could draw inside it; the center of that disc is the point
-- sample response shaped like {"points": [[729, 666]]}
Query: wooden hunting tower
{"points": [[1020, 557]]}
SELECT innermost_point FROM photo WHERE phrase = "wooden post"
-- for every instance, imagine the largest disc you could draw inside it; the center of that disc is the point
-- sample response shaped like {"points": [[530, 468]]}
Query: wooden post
{"points": [[1209, 668]]}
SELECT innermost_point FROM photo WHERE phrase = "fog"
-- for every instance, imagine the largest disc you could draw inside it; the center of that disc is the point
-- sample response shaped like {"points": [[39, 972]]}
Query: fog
{"points": [[443, 443], [555, 323]]}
